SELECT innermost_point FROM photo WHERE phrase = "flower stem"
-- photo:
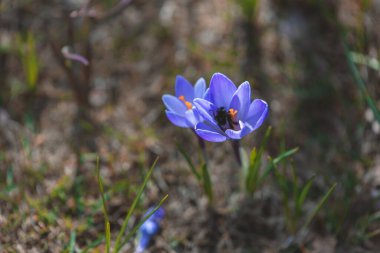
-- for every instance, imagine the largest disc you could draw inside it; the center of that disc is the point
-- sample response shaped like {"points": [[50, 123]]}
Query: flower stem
{"points": [[236, 149], [202, 145]]}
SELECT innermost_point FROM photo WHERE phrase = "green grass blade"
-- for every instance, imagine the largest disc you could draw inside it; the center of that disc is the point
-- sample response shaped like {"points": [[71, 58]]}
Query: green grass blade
{"points": [[294, 182], [189, 162], [265, 140], [374, 217], [276, 161], [31, 62], [255, 163], [360, 83], [285, 187], [72, 241], [303, 194], [105, 213], [93, 245], [108, 236], [29, 59], [244, 161], [249, 8], [319, 205], [365, 60], [134, 230], [245, 167], [207, 184], [281, 179], [132, 208], [285, 154], [252, 171], [372, 234]]}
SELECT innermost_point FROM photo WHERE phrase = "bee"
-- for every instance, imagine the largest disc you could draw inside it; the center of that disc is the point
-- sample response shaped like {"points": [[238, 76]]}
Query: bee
{"points": [[225, 119]]}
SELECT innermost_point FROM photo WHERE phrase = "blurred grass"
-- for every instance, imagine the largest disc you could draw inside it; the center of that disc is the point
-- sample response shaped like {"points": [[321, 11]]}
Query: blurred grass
{"points": [[360, 83], [28, 53], [319, 116], [249, 8]]}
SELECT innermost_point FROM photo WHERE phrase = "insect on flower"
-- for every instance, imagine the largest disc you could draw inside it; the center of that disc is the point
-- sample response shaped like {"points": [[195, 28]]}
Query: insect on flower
{"points": [[227, 111], [180, 107], [224, 118]]}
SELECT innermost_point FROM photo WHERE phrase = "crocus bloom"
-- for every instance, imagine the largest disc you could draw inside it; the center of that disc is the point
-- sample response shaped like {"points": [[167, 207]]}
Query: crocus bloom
{"points": [[149, 228], [180, 107], [227, 111]]}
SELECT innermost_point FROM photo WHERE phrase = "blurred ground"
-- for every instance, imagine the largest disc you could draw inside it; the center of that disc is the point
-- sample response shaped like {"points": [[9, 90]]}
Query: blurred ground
{"points": [[292, 52]]}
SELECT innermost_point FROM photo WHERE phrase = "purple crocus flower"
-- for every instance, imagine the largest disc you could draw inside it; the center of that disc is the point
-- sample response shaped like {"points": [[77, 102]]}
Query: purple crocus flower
{"points": [[149, 228], [180, 107], [227, 111]]}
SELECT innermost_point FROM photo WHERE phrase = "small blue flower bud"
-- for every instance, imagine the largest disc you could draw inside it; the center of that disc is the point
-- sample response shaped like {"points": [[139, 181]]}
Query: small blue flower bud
{"points": [[150, 227]]}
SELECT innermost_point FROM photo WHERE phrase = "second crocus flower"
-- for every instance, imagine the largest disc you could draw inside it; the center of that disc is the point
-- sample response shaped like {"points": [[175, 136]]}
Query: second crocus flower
{"points": [[179, 108], [150, 228]]}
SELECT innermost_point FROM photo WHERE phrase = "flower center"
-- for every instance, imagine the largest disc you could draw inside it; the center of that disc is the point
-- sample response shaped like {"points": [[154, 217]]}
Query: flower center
{"points": [[187, 103], [227, 119]]}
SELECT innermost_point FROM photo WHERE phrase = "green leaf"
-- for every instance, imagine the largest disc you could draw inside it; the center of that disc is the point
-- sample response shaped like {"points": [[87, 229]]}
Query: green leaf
{"points": [[276, 161], [189, 162], [108, 236], [372, 234], [252, 171], [284, 155], [281, 179], [319, 205], [303, 194], [10, 184], [365, 60], [93, 245], [132, 208], [244, 165], [361, 85], [255, 163], [28, 54], [249, 8], [134, 230], [374, 217], [72, 241], [207, 184], [31, 62], [244, 161]]}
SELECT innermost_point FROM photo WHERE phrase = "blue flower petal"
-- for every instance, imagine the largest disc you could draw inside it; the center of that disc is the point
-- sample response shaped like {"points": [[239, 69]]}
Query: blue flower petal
{"points": [[221, 90], [184, 88], [209, 133], [150, 227], [174, 104], [158, 215], [200, 88], [177, 120], [143, 243], [258, 111], [206, 96], [192, 117], [238, 134], [244, 94], [235, 104], [205, 109]]}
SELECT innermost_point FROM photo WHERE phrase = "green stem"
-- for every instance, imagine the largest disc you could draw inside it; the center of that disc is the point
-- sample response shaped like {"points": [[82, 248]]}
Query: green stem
{"points": [[202, 145]]}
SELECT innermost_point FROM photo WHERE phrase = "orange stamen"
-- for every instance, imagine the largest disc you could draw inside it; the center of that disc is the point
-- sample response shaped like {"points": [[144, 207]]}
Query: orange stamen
{"points": [[233, 114], [187, 103]]}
